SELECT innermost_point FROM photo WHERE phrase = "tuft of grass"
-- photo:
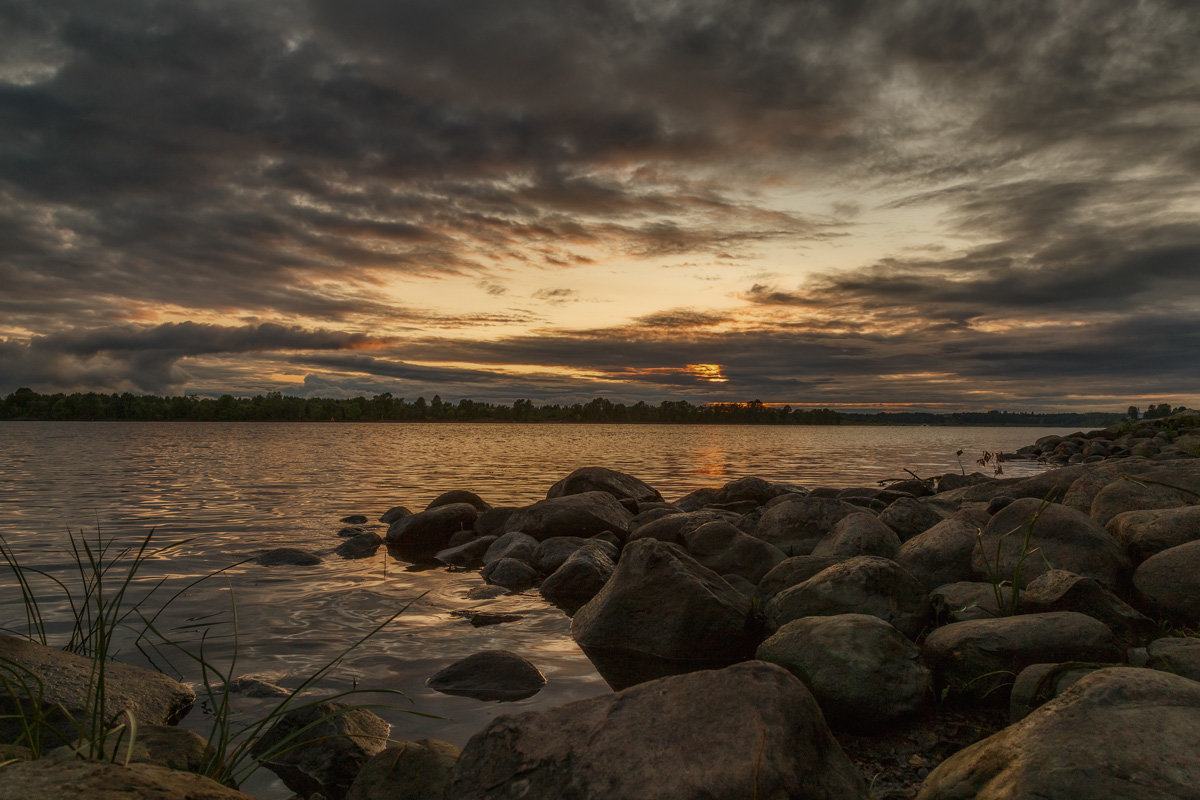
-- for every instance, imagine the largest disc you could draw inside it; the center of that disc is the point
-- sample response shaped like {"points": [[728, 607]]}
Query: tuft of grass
{"points": [[103, 608], [1011, 605]]}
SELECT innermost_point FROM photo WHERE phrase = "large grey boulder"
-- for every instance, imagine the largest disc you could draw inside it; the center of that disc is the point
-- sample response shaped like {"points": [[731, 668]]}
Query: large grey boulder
{"points": [[585, 514], [1168, 584], [909, 516], [942, 554], [724, 549], [862, 670], [65, 678], [467, 555], [862, 585], [550, 554], [511, 573], [1037, 536], [55, 779], [419, 770], [980, 658], [489, 675], [751, 730], [362, 545], [602, 479], [1117, 733], [663, 612], [580, 577], [795, 526], [860, 534], [320, 747], [1165, 485], [1148, 532], [420, 536]]}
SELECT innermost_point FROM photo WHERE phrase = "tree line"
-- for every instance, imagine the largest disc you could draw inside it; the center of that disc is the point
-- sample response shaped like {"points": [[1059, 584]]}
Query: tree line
{"points": [[275, 406]]}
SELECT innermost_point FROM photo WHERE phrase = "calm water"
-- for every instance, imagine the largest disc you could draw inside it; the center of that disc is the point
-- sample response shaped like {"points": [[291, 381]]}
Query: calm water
{"points": [[232, 490]]}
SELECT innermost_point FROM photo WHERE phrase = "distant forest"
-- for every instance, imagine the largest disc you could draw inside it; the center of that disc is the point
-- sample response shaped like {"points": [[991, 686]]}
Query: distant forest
{"points": [[273, 406]]}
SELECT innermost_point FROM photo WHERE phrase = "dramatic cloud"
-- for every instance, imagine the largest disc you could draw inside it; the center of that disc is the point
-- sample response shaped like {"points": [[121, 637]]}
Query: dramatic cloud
{"points": [[820, 200]]}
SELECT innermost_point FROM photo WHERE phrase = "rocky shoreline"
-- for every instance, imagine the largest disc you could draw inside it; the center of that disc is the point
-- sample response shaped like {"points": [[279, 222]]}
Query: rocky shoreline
{"points": [[955, 636]]}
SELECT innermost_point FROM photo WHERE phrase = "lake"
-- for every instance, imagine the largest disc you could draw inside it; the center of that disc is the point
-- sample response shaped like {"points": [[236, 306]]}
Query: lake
{"points": [[232, 490]]}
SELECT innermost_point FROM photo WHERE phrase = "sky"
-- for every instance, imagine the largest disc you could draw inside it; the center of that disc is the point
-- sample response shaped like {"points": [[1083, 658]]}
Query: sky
{"points": [[890, 204]]}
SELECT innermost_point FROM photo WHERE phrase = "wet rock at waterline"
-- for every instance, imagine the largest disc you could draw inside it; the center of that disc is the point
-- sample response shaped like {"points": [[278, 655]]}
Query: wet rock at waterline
{"points": [[394, 513], [465, 556], [363, 545], [1117, 733], [662, 612], [862, 671], [459, 496], [418, 770], [514, 575], [153, 698], [489, 675], [354, 519], [751, 730], [321, 747], [420, 536], [481, 619], [602, 479], [254, 686], [580, 577], [288, 557], [515, 544]]}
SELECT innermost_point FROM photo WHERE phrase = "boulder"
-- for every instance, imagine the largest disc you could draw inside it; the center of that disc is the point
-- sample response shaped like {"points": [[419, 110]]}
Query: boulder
{"points": [[459, 496], [1148, 532], [860, 534], [417, 770], [751, 730], [1163, 485], [489, 675], [153, 698], [580, 577], [585, 514], [513, 544], [1177, 654], [942, 554], [1117, 733], [792, 571], [697, 499], [1168, 584], [353, 519], [288, 557], [492, 522], [165, 745], [418, 537], [363, 545], [319, 747], [351, 530], [861, 670], [724, 549], [54, 779], [467, 555], [394, 513], [795, 526], [861, 585], [602, 479], [253, 686], [1059, 590], [909, 516], [1031, 537], [514, 575], [955, 480], [980, 658], [662, 612], [672, 528], [749, 490]]}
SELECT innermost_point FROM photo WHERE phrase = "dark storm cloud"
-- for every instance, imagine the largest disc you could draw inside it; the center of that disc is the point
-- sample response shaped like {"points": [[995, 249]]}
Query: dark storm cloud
{"points": [[147, 358], [272, 160]]}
